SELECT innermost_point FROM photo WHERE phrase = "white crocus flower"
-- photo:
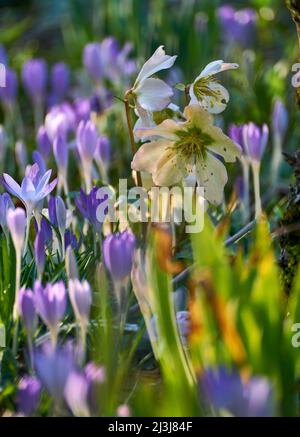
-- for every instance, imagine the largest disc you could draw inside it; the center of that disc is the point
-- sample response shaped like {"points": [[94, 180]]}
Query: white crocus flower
{"points": [[207, 92], [182, 148], [153, 94]]}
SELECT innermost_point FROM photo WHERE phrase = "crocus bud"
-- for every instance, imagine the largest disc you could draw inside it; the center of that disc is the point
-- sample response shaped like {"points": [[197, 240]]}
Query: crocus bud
{"points": [[44, 143], [60, 150], [60, 79], [92, 60], [255, 140], [87, 137], [279, 119], [236, 134], [16, 222], [39, 253], [28, 397], [34, 77], [5, 204], [61, 215], [76, 394], [81, 299], [51, 303], [27, 310], [52, 210], [118, 250], [60, 120]]}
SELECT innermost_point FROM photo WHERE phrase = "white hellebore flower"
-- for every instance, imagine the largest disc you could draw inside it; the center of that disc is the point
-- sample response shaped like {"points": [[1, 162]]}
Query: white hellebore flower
{"points": [[207, 92], [183, 148], [153, 94]]}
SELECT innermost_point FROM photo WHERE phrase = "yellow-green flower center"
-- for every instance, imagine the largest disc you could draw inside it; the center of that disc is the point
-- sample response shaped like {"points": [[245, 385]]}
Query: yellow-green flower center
{"points": [[192, 143], [202, 88]]}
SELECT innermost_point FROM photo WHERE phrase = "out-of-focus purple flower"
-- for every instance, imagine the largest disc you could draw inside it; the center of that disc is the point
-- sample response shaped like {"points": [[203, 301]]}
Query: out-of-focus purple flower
{"points": [[82, 109], [71, 240], [81, 299], [103, 150], [28, 397], [226, 391], [51, 303], [60, 80], [236, 134], [255, 140], [118, 250], [52, 210], [21, 154], [95, 376], [87, 137], [88, 204], [60, 120], [123, 411], [61, 153], [237, 25], [61, 214], [9, 92], [16, 222], [44, 143], [3, 55], [5, 204], [239, 187], [3, 141], [27, 310], [53, 366], [34, 188], [92, 60], [76, 394], [39, 160], [34, 77], [45, 228], [279, 119], [39, 253]]}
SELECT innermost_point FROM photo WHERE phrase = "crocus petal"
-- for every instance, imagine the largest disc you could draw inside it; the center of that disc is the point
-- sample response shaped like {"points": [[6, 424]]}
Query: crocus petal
{"points": [[148, 155], [44, 181], [158, 61], [12, 185], [154, 94], [216, 67], [49, 187], [212, 176]]}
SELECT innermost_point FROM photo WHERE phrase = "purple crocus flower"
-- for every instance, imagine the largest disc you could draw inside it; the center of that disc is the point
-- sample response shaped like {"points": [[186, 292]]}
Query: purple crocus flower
{"points": [[16, 222], [39, 253], [5, 204], [236, 134], [81, 299], [3, 55], [88, 204], [103, 150], [255, 140], [60, 120], [76, 394], [44, 143], [118, 250], [92, 60], [28, 397], [51, 303], [60, 80], [27, 310], [9, 92], [237, 25], [21, 154], [39, 160], [82, 109], [34, 77], [53, 366], [226, 391], [95, 376], [86, 137], [34, 188], [279, 119], [71, 240]]}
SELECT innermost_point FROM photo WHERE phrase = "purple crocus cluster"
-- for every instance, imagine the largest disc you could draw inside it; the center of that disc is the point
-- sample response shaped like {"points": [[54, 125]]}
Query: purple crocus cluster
{"points": [[237, 26]]}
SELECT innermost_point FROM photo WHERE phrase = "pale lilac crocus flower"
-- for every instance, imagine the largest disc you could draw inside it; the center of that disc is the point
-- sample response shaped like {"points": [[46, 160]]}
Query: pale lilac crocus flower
{"points": [[81, 299], [16, 222], [87, 137], [255, 141], [29, 391], [33, 189], [51, 303], [5, 204], [279, 127]]}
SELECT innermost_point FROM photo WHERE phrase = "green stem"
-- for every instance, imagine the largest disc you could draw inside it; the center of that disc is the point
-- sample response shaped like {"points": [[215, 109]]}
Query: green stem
{"points": [[255, 171]]}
